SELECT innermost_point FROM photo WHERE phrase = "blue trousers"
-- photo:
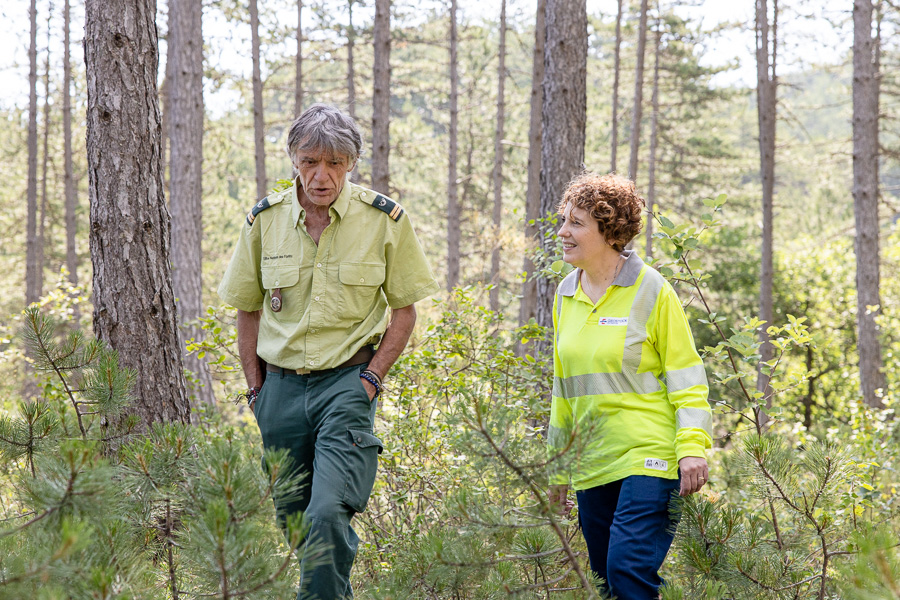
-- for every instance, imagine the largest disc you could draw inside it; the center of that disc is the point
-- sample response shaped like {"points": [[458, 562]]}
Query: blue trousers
{"points": [[325, 421], [628, 530]]}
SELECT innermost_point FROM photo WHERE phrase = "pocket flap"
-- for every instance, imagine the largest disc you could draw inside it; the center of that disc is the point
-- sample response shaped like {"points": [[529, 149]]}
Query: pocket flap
{"points": [[361, 274], [280, 277], [365, 439]]}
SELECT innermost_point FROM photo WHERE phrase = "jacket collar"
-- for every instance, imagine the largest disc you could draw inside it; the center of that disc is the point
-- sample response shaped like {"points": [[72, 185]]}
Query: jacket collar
{"points": [[627, 276]]}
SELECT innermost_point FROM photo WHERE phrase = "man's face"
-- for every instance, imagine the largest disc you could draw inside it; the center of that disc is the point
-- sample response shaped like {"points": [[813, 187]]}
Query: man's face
{"points": [[321, 175]]}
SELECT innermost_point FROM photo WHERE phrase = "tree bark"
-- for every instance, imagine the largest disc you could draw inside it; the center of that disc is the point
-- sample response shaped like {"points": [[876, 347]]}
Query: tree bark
{"points": [[259, 141], [381, 98], [865, 202], [654, 143], [638, 94], [497, 175], [614, 133], [453, 210], [563, 117], [185, 175], [45, 159], [134, 306], [71, 200], [528, 307], [351, 75], [33, 269], [298, 80], [766, 91]]}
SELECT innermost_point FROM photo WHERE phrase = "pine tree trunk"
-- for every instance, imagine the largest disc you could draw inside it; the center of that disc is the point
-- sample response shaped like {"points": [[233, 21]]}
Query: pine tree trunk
{"points": [[636, 114], [498, 164], [654, 143], [453, 210], [766, 110], [351, 75], [71, 201], [134, 306], [185, 174], [381, 98], [259, 141], [45, 159], [33, 268], [298, 78], [528, 307], [865, 201], [614, 133], [563, 116]]}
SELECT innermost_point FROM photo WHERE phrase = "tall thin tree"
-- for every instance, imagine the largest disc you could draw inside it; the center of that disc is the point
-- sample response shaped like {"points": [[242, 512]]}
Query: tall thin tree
{"points": [[497, 175], [453, 209], [617, 62], [134, 305], [259, 141], [563, 117], [654, 139], [766, 106], [45, 158], [637, 111], [71, 201], [185, 176], [865, 201], [33, 269], [298, 77], [351, 73], [528, 306], [381, 98]]}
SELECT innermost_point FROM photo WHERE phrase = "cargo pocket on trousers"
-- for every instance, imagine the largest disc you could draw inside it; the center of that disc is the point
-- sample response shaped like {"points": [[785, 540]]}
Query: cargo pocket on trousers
{"points": [[362, 464]]}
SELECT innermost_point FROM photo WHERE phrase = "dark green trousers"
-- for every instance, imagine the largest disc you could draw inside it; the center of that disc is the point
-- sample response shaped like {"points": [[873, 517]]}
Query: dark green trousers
{"points": [[325, 421]]}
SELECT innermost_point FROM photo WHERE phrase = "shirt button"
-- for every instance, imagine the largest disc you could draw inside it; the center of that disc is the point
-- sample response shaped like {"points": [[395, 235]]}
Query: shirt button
{"points": [[317, 298], [277, 282], [312, 362], [362, 280], [319, 265], [312, 330], [358, 440]]}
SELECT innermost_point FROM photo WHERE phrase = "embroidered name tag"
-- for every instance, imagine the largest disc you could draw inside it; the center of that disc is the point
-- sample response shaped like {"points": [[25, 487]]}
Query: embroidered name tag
{"points": [[612, 321], [656, 464]]}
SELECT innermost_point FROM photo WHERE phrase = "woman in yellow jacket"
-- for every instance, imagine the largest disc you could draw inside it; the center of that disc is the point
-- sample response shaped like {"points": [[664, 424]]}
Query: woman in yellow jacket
{"points": [[630, 421]]}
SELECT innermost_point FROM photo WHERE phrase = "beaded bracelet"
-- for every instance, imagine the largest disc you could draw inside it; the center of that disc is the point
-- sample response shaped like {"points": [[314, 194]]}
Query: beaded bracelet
{"points": [[372, 378]]}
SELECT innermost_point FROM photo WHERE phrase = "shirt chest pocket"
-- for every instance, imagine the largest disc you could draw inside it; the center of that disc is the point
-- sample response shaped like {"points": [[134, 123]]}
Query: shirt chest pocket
{"points": [[361, 283], [281, 277]]}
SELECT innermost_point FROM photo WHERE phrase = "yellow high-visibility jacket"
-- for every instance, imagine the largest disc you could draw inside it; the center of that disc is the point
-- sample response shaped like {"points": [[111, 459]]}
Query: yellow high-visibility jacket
{"points": [[629, 389]]}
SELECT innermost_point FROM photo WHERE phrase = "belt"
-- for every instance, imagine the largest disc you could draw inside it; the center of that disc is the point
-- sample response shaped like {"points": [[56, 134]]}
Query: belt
{"points": [[363, 355]]}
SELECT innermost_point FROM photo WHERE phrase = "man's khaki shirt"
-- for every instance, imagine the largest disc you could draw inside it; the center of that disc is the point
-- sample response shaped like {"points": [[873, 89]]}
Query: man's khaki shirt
{"points": [[335, 294]]}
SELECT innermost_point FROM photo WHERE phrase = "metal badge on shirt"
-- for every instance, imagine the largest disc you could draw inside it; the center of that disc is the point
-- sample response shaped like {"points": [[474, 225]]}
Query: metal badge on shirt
{"points": [[615, 321]]}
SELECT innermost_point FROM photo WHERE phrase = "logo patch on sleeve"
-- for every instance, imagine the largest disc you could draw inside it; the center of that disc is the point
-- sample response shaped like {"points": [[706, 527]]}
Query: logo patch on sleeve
{"points": [[656, 464], [615, 321]]}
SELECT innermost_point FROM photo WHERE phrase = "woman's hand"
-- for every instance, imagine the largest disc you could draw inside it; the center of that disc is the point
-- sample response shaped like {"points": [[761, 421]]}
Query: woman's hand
{"points": [[694, 474], [559, 500]]}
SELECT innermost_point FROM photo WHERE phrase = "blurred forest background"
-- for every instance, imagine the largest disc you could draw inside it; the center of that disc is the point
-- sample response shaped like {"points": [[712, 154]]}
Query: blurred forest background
{"points": [[764, 140]]}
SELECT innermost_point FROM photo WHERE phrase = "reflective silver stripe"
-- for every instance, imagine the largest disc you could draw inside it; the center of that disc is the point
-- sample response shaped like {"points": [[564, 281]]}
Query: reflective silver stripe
{"points": [[596, 384], [641, 308], [682, 379], [695, 418]]}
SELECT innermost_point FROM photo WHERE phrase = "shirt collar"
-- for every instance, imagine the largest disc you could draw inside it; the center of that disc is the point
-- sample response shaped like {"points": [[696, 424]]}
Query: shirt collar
{"points": [[627, 276], [340, 205]]}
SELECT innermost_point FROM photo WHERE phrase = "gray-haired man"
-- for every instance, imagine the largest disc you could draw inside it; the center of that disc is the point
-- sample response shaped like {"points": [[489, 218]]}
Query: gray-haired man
{"points": [[313, 274]]}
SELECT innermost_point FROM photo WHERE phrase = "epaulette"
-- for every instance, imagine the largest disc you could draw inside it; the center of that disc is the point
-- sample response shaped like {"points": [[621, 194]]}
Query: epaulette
{"points": [[261, 206], [383, 203]]}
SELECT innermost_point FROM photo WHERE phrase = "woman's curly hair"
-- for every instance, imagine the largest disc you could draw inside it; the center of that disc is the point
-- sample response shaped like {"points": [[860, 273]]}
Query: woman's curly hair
{"points": [[612, 201]]}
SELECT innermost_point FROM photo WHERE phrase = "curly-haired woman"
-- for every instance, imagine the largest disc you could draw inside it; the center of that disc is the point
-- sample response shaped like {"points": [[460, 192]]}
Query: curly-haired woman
{"points": [[630, 421]]}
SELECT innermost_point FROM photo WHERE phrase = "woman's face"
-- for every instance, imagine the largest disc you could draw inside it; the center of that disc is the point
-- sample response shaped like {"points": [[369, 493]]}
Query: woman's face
{"points": [[583, 244]]}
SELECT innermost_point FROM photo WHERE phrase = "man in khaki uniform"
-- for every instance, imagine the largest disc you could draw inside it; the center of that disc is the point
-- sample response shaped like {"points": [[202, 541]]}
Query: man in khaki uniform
{"points": [[313, 274]]}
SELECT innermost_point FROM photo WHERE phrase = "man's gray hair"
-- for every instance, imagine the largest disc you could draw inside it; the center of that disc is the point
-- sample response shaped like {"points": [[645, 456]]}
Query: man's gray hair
{"points": [[327, 128]]}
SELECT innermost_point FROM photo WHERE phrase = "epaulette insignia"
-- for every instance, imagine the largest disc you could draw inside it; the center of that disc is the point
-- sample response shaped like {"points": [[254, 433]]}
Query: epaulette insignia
{"points": [[257, 208], [393, 210]]}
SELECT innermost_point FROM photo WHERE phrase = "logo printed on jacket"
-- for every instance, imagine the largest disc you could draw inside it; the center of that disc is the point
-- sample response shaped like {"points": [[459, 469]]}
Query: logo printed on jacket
{"points": [[612, 321]]}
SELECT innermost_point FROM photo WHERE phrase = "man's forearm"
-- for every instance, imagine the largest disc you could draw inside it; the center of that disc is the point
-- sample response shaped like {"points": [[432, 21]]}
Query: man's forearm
{"points": [[248, 335], [394, 340]]}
